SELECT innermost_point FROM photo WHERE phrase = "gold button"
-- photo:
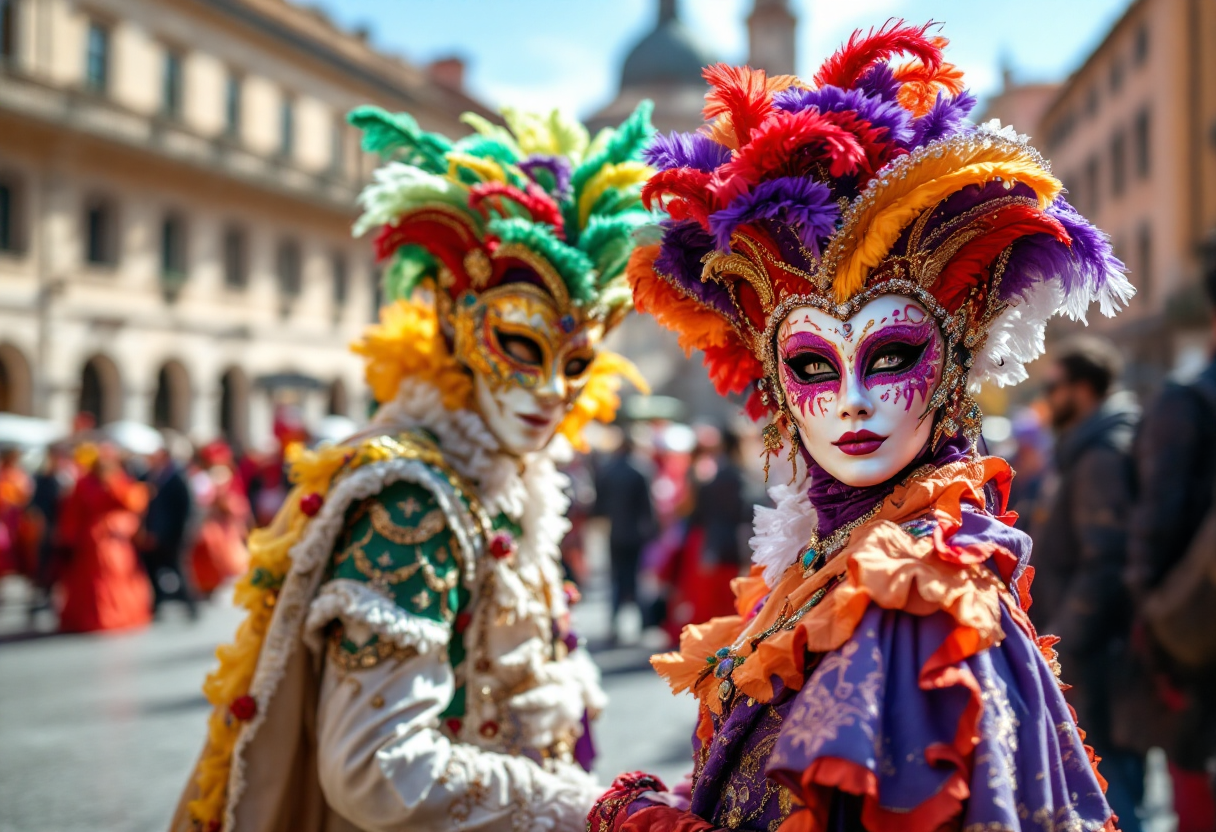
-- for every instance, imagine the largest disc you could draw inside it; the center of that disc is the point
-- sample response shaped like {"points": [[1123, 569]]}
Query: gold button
{"points": [[377, 701]]}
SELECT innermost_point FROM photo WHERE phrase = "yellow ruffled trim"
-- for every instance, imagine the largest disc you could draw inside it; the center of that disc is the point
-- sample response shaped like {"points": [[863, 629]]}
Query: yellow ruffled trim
{"points": [[925, 185], [600, 398], [257, 591]]}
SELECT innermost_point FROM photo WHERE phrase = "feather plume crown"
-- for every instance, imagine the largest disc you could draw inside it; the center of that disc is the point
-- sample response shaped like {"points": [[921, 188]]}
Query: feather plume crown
{"points": [[535, 200], [814, 186]]}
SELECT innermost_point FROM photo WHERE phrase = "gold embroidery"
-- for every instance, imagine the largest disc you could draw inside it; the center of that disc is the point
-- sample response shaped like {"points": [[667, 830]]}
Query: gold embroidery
{"points": [[431, 524], [737, 794], [367, 656]]}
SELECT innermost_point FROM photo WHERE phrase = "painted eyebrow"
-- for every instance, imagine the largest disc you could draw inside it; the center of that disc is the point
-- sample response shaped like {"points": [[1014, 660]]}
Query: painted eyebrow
{"points": [[802, 342], [911, 334]]}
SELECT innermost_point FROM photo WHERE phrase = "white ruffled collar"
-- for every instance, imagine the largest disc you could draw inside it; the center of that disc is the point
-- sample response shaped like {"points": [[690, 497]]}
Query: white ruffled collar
{"points": [[781, 532], [529, 490]]}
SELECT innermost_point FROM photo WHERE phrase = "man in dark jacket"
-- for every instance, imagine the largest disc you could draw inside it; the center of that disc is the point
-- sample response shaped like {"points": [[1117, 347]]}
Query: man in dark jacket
{"points": [[1080, 547], [165, 530], [1175, 455], [622, 494]]}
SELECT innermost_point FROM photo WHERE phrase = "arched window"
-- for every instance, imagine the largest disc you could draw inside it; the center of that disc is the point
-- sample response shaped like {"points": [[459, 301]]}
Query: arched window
{"points": [[16, 393], [234, 407], [171, 404], [100, 390]]}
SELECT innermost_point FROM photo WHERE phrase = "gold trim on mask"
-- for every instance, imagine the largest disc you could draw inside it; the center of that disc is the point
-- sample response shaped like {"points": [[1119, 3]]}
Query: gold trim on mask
{"points": [[478, 321], [543, 268]]}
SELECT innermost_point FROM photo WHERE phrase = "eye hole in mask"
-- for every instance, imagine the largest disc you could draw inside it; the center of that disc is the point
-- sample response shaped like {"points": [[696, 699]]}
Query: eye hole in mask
{"points": [[577, 365], [521, 348], [894, 358], [811, 368]]}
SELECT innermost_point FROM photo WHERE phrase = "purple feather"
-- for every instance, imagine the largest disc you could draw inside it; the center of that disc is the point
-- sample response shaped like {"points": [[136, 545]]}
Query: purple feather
{"points": [[679, 260], [804, 204], [557, 166], [882, 114], [880, 82], [685, 150], [945, 118], [1093, 259], [1085, 266]]}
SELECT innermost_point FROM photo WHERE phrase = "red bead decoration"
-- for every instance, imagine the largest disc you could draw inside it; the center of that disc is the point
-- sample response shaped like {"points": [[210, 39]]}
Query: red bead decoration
{"points": [[463, 620], [244, 708], [502, 545], [310, 503], [573, 596], [489, 728], [214, 826], [454, 725]]}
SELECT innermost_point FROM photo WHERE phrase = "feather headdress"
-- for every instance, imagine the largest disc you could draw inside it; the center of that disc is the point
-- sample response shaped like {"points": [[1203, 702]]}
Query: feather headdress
{"points": [[536, 201], [867, 180]]}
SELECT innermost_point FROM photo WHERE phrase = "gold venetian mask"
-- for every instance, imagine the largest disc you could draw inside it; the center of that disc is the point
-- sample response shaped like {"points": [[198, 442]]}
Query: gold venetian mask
{"points": [[529, 360]]}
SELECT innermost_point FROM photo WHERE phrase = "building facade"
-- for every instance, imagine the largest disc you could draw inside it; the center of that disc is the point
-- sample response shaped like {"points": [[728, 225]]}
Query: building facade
{"points": [[1132, 134], [177, 185], [665, 66]]}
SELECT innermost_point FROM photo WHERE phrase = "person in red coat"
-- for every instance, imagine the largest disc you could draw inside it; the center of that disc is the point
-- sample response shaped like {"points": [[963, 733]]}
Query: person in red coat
{"points": [[104, 586]]}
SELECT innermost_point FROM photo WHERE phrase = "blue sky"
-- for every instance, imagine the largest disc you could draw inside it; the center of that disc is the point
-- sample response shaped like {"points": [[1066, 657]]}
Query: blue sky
{"points": [[567, 53]]}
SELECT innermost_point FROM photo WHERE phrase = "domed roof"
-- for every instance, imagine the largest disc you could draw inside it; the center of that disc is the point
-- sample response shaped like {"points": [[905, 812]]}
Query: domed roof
{"points": [[668, 55]]}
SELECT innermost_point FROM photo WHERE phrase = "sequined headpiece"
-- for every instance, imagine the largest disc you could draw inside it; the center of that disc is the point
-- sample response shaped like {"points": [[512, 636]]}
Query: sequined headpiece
{"points": [[866, 180]]}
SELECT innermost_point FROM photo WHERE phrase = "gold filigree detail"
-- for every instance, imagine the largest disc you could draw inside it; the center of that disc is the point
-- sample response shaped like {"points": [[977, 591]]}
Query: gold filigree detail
{"points": [[431, 524], [367, 656], [543, 268], [478, 267]]}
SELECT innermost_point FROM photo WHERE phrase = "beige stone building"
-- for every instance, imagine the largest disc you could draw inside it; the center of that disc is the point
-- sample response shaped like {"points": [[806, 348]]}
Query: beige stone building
{"points": [[177, 184], [1132, 134]]}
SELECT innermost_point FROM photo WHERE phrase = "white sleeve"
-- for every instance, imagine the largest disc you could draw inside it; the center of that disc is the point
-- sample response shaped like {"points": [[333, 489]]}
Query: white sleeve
{"points": [[384, 764]]}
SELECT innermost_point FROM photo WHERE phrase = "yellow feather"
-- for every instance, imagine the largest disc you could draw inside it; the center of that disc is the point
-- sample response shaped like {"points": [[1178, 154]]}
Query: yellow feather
{"points": [[600, 397], [487, 169], [610, 176], [903, 200]]}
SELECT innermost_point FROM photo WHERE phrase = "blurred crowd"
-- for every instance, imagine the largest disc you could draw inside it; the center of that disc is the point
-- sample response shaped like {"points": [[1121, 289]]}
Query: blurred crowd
{"points": [[111, 524], [1118, 496]]}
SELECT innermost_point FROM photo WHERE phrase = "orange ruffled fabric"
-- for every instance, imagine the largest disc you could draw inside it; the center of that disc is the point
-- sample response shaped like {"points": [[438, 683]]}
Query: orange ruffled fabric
{"points": [[883, 564]]}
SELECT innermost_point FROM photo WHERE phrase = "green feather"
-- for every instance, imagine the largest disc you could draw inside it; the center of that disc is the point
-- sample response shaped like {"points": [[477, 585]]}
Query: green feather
{"points": [[625, 143], [573, 266], [490, 130], [409, 267], [484, 147], [608, 241], [390, 134], [399, 188]]}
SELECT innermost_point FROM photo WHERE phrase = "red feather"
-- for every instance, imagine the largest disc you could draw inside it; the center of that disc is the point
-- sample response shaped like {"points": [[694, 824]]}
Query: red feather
{"points": [[790, 144], [683, 192], [740, 93], [757, 409], [875, 143], [732, 368], [847, 65], [535, 201], [970, 266]]}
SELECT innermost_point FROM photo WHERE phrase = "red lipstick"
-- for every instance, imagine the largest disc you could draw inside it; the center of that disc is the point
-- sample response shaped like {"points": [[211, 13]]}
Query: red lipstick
{"points": [[859, 443], [534, 419]]}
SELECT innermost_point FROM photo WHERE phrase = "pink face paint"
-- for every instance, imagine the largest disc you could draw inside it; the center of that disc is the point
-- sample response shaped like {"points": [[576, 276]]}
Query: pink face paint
{"points": [[920, 377], [814, 396]]}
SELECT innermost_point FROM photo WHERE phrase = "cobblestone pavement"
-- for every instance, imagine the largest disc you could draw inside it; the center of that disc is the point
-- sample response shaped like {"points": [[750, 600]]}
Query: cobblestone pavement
{"points": [[98, 733]]}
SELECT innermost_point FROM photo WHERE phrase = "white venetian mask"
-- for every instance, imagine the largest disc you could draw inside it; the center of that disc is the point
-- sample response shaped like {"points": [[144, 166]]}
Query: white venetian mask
{"points": [[858, 389]]}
